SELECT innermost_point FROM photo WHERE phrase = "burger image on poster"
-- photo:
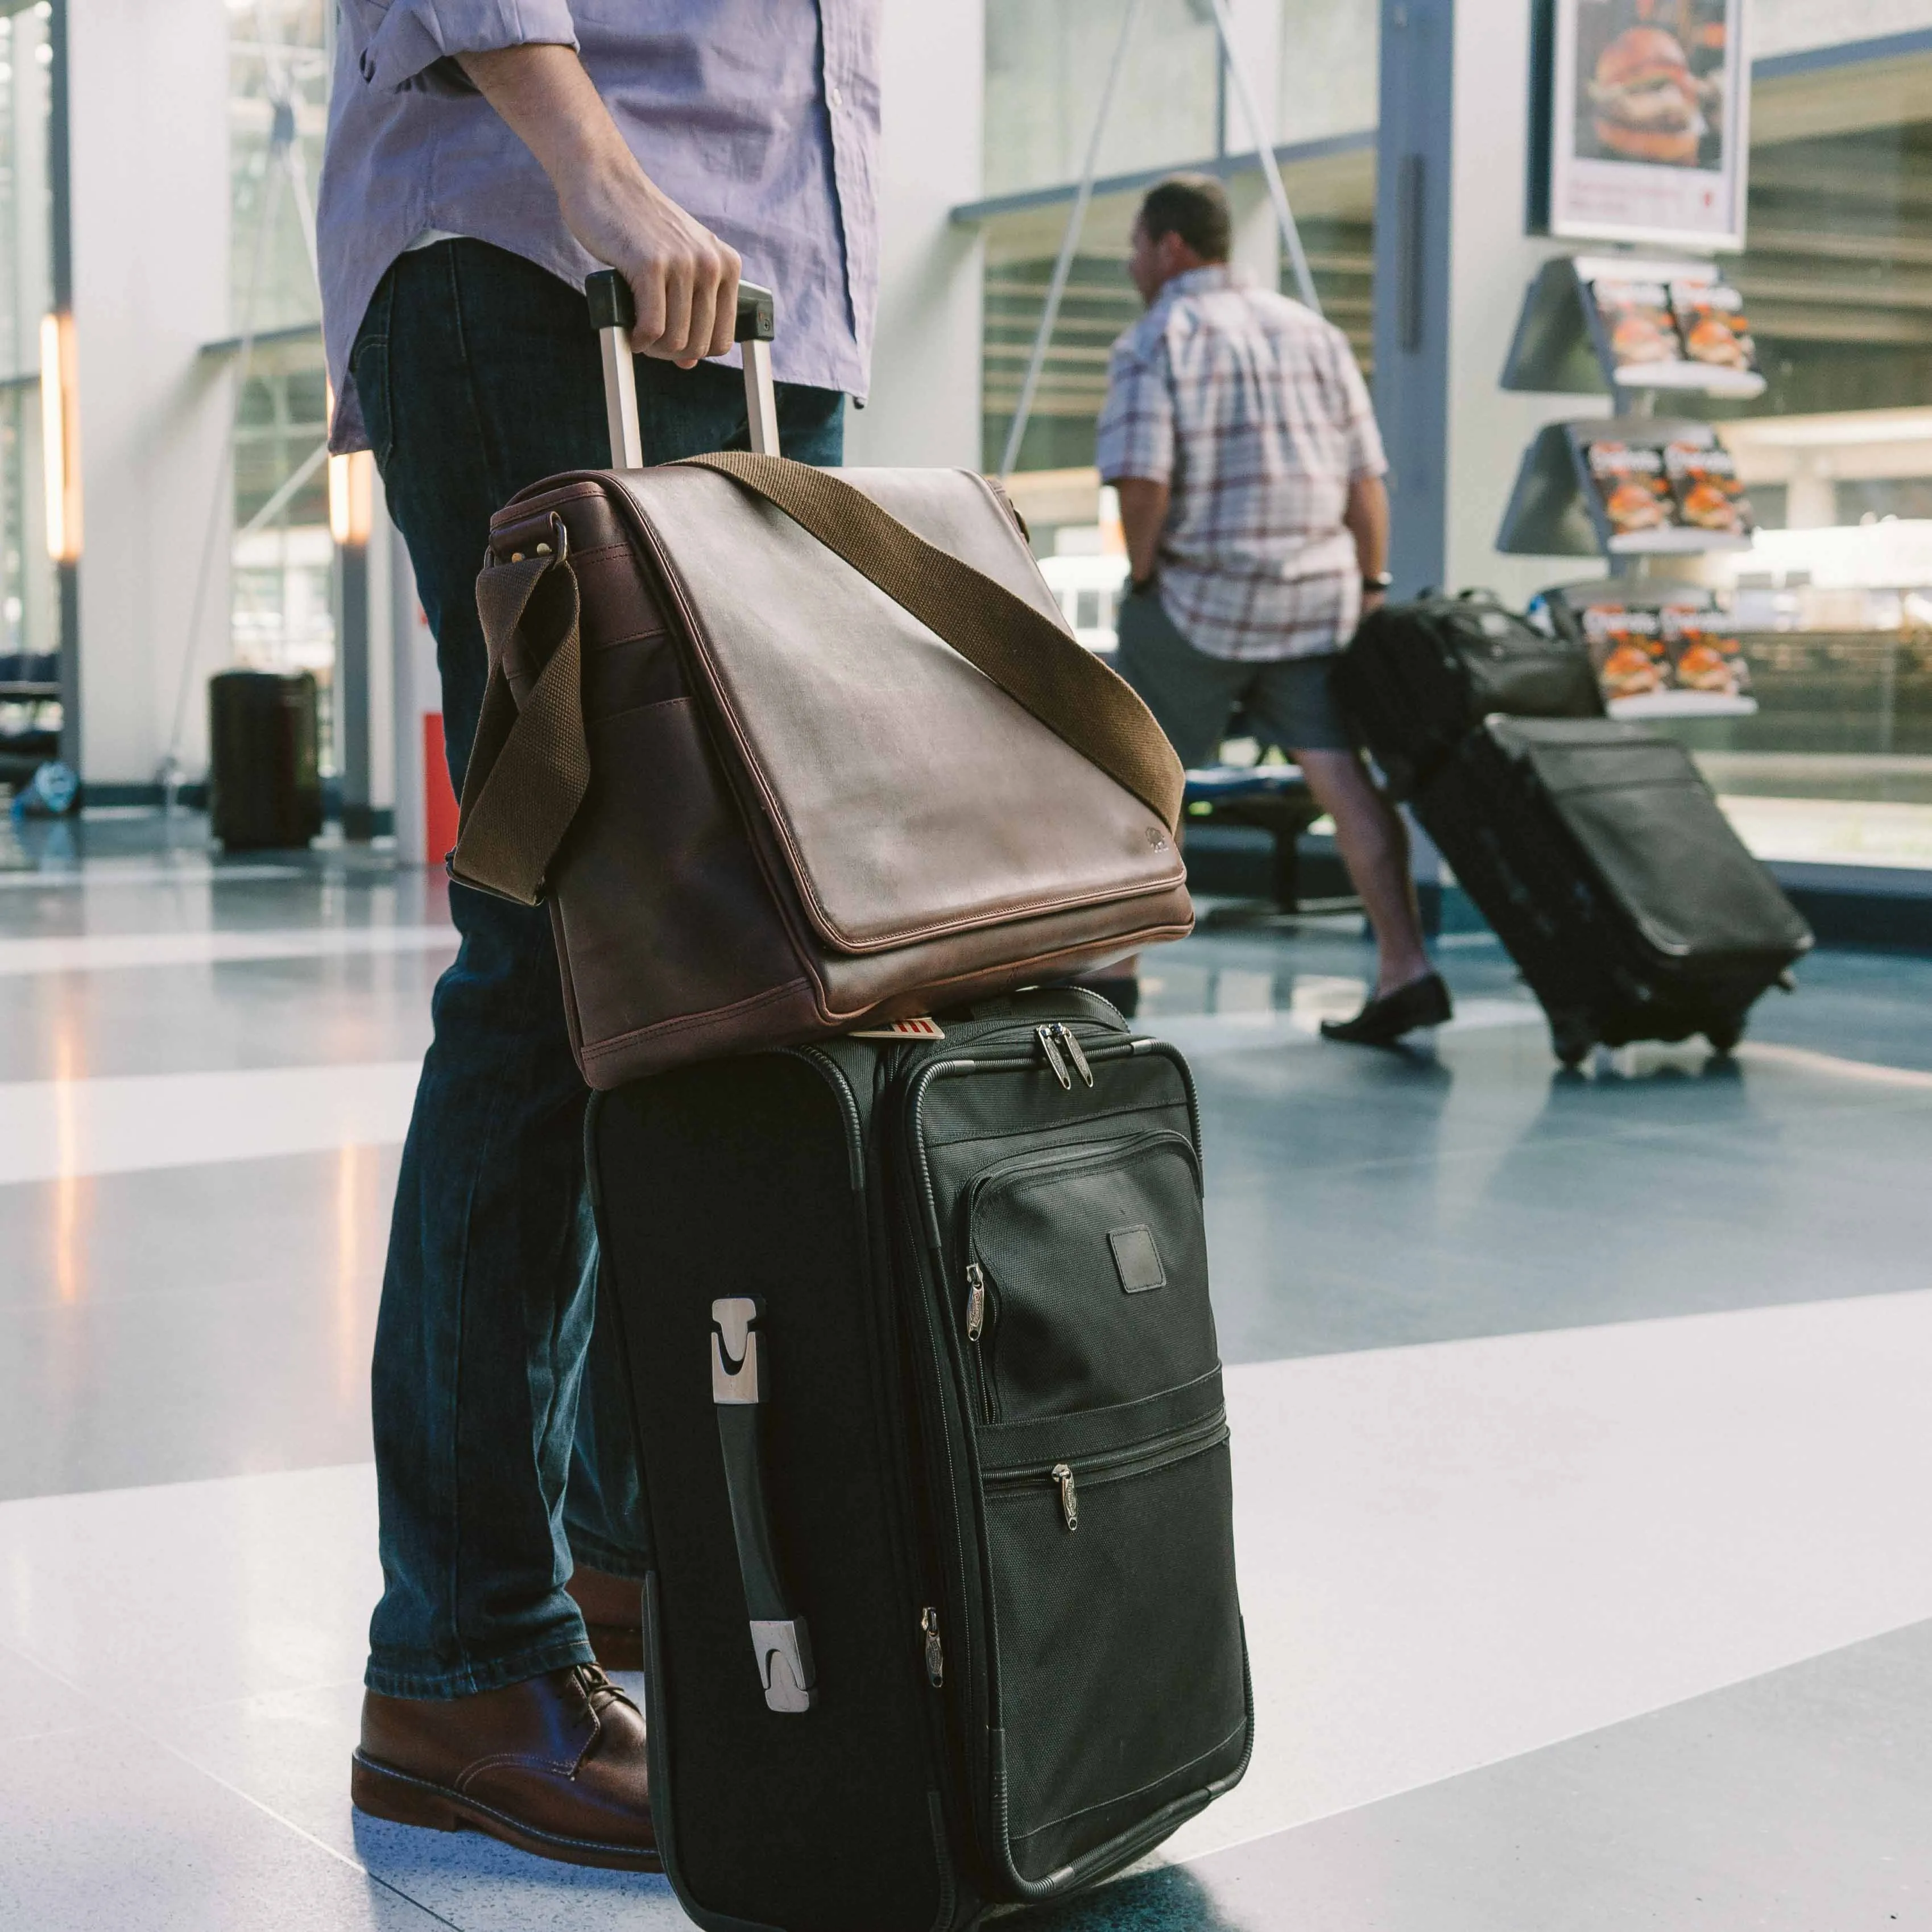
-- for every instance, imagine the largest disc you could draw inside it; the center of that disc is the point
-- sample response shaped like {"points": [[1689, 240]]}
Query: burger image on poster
{"points": [[1645, 102]]}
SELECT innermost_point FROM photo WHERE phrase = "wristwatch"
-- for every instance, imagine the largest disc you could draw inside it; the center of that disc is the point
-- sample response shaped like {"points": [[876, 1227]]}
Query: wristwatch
{"points": [[1382, 580]]}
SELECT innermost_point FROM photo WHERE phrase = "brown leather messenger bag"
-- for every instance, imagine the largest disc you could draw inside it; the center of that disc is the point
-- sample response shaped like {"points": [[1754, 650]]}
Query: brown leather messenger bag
{"points": [[789, 753]]}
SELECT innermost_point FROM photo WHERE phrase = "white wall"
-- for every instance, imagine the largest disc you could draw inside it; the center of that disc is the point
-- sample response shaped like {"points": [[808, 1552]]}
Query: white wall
{"points": [[149, 149], [1491, 264], [925, 404]]}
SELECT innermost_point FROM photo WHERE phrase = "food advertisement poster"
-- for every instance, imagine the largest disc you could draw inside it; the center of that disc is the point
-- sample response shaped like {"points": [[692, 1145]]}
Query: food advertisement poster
{"points": [[1646, 114]]}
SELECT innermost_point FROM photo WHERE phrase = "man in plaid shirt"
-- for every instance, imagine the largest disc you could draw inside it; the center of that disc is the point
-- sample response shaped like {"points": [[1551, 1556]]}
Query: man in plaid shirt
{"points": [[1239, 435]]}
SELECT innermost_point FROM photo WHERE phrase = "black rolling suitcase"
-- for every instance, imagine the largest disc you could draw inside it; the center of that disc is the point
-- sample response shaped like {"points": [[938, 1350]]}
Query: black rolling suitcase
{"points": [[942, 1606], [941, 1610], [264, 772], [1598, 852], [1593, 848]]}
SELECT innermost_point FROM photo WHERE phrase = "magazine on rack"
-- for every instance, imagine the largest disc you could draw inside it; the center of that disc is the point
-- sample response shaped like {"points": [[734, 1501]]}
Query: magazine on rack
{"points": [[1627, 647], [1715, 330], [1639, 326], [1704, 481], [1631, 487], [1703, 657]]}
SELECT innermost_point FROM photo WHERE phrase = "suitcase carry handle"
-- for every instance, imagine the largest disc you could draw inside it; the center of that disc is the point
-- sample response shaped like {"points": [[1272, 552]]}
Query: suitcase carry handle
{"points": [[779, 1641], [613, 314]]}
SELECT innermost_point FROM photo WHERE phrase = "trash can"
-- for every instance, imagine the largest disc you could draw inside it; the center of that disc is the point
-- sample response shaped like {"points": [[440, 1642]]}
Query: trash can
{"points": [[264, 777]]}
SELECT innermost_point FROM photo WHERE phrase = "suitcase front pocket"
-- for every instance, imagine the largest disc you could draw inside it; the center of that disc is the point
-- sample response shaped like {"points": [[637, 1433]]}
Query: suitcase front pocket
{"points": [[1120, 1685], [1086, 1277]]}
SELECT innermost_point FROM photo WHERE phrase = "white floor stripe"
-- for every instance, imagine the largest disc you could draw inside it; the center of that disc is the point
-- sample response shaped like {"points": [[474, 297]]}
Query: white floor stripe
{"points": [[1455, 1553], [138, 872], [51, 1129], [1451, 1554], [91, 952]]}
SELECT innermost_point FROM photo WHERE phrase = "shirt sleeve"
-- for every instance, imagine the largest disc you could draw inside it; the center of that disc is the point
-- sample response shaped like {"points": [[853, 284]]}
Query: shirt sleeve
{"points": [[1364, 438], [1135, 437], [410, 43]]}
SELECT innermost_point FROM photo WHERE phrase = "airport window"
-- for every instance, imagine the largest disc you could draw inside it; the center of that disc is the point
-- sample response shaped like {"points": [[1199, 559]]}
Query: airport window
{"points": [[282, 582], [1175, 107], [1834, 604]]}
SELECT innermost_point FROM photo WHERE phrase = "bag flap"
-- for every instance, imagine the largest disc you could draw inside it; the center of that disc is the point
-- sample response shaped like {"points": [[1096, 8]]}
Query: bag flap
{"points": [[1659, 840], [911, 795]]}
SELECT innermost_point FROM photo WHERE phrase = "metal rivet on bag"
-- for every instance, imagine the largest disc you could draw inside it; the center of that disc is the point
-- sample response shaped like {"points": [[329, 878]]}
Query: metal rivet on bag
{"points": [[543, 549], [516, 556]]}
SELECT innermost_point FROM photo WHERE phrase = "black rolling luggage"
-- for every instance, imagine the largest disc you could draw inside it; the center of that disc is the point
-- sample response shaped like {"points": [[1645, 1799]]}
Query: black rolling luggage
{"points": [[942, 1606], [1599, 855], [1417, 678], [264, 774]]}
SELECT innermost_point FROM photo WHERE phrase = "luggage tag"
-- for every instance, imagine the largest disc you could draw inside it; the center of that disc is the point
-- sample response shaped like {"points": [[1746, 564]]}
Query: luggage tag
{"points": [[921, 1028]]}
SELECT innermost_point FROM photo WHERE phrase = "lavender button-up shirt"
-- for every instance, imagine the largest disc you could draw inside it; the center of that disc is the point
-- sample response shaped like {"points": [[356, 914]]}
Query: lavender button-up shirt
{"points": [[759, 117]]}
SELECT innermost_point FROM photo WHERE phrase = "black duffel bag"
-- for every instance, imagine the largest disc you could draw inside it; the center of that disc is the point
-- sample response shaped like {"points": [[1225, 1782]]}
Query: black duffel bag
{"points": [[1417, 678]]}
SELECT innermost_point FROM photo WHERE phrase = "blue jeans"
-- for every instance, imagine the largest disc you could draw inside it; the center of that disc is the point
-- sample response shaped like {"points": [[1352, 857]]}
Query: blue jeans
{"points": [[503, 1451]]}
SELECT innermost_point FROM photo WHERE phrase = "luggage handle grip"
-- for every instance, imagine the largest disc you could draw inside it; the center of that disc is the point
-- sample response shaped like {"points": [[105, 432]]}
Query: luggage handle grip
{"points": [[613, 314], [779, 1640]]}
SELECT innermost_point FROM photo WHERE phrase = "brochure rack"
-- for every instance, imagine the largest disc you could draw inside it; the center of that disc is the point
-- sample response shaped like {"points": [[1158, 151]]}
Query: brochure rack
{"points": [[1633, 626], [1634, 485], [1567, 340]]}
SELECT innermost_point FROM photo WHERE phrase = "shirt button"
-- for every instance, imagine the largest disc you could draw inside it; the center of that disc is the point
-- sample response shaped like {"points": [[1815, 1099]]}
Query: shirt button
{"points": [[838, 97]]}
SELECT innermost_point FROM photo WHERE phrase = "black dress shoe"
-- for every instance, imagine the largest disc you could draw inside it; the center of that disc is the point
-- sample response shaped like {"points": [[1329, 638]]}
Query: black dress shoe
{"points": [[1422, 1003]]}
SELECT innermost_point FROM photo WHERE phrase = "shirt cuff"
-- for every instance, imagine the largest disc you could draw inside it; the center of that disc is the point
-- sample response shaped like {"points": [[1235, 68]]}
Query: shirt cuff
{"points": [[413, 46]]}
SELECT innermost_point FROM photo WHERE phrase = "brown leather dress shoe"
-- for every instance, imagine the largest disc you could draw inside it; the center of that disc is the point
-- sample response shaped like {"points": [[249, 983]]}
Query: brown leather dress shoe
{"points": [[613, 1617], [555, 1766]]}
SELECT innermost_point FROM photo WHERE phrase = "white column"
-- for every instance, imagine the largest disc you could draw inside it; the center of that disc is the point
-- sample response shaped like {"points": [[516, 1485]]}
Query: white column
{"points": [[925, 404], [149, 160], [1491, 264]]}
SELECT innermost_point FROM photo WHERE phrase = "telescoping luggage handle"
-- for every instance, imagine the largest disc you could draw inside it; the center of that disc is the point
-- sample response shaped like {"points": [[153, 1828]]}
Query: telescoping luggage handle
{"points": [[778, 1639], [614, 313]]}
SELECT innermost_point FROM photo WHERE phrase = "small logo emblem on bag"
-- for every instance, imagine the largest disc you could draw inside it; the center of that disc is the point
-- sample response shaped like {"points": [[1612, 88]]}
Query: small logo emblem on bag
{"points": [[1137, 1258], [1156, 838]]}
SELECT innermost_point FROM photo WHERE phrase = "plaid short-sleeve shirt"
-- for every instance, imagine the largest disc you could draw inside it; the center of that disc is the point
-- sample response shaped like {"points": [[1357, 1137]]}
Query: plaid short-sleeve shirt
{"points": [[1251, 409]]}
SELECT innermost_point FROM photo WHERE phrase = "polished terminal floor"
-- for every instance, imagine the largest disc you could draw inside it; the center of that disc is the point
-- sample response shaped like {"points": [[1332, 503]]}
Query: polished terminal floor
{"points": [[1583, 1433]]}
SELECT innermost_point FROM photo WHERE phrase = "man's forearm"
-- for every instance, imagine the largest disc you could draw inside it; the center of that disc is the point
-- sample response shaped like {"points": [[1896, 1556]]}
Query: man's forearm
{"points": [[1143, 517], [550, 104], [683, 278], [1366, 518]]}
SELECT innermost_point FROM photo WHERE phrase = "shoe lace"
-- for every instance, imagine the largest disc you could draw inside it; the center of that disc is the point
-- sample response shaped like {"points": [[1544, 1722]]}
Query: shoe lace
{"points": [[598, 1691]]}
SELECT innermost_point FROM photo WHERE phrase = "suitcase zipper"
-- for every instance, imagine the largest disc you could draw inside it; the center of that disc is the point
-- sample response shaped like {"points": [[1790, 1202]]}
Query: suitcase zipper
{"points": [[1116, 1466], [1069, 1497], [1070, 1046], [935, 1651], [976, 1300], [1049, 1045]]}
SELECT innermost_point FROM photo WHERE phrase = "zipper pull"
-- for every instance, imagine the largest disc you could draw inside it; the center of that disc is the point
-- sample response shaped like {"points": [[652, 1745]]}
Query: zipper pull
{"points": [[1074, 1050], [1050, 1047], [935, 1655], [976, 1300], [1069, 1499]]}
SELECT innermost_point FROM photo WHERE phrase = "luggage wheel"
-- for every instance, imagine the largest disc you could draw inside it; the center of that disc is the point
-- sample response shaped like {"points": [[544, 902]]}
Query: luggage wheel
{"points": [[1571, 1041], [1724, 1035]]}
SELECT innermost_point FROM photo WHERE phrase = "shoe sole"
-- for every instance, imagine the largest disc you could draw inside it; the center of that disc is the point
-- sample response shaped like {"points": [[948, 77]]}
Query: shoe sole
{"points": [[383, 1792]]}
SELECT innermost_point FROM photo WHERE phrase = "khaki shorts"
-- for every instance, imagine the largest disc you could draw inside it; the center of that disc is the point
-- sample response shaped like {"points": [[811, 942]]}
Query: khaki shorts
{"points": [[1286, 701]]}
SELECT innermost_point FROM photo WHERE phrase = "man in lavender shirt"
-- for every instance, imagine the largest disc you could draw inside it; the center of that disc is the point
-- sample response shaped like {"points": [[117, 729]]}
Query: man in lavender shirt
{"points": [[484, 156]]}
